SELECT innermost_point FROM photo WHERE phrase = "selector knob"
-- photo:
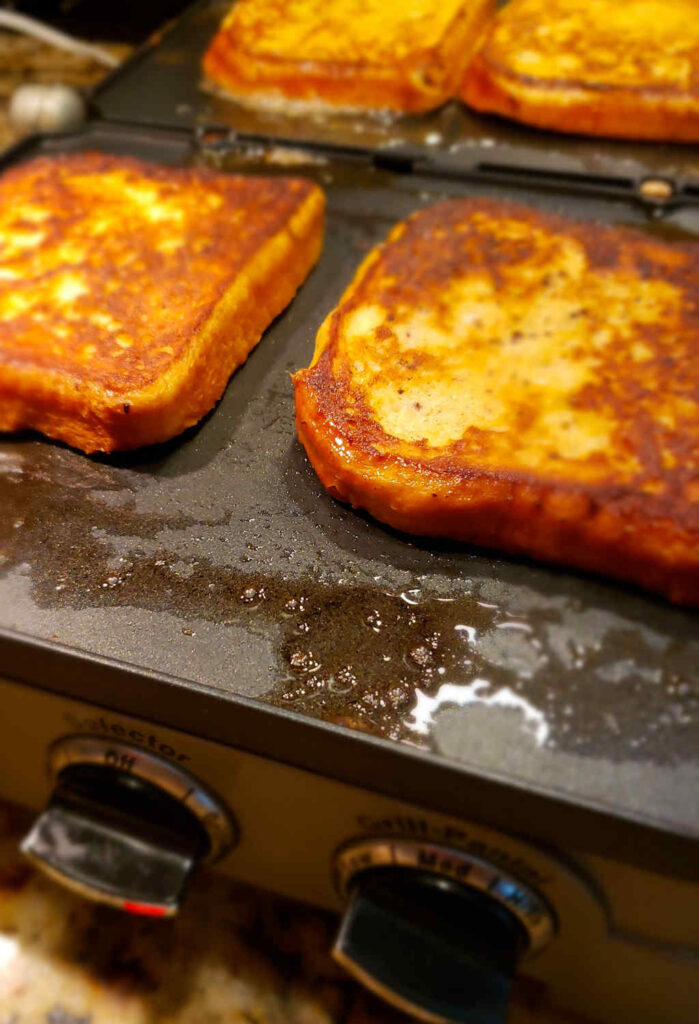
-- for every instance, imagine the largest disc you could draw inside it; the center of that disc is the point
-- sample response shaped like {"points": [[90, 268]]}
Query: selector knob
{"points": [[129, 836], [442, 948]]}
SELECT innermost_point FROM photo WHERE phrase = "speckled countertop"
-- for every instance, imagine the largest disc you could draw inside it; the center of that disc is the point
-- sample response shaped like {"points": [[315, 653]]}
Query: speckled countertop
{"points": [[234, 954]]}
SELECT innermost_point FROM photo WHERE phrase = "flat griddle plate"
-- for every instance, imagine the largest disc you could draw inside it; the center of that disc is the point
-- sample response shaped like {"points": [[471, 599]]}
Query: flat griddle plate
{"points": [[218, 561], [162, 85]]}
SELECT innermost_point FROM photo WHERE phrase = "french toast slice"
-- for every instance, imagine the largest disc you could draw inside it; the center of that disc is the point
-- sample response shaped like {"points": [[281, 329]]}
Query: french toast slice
{"points": [[129, 292], [505, 377], [595, 67], [307, 55]]}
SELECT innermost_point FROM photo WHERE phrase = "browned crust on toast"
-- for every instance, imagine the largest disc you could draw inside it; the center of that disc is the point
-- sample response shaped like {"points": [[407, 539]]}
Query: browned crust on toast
{"points": [[146, 346], [593, 67], [576, 108], [631, 513], [420, 79]]}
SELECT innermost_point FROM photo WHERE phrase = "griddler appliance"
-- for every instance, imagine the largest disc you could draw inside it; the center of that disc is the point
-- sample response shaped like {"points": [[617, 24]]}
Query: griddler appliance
{"points": [[484, 764]]}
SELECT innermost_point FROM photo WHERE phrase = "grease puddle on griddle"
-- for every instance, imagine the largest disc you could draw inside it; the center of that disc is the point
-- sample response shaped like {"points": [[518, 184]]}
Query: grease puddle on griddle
{"points": [[378, 659]]}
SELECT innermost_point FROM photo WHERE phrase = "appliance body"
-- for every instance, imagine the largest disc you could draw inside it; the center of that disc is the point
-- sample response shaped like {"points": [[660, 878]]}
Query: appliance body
{"points": [[625, 944], [339, 688]]}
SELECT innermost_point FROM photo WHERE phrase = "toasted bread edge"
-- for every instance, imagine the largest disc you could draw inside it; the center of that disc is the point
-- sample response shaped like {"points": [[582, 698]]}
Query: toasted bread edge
{"points": [[559, 526], [576, 109]]}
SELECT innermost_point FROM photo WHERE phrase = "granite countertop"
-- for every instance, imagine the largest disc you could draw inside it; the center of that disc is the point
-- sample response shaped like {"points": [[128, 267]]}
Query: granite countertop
{"points": [[234, 954]]}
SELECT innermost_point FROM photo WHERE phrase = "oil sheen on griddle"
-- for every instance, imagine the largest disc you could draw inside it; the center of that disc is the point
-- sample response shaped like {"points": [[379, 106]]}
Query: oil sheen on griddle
{"points": [[371, 656]]}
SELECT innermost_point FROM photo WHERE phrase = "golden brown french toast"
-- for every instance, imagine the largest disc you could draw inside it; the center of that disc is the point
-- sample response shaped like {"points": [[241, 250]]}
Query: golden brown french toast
{"points": [[349, 54], [597, 67], [129, 292], [509, 378]]}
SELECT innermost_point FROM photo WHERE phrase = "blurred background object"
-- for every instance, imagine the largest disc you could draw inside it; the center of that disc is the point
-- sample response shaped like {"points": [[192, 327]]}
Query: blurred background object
{"points": [[46, 108], [130, 21], [15, 21], [26, 60]]}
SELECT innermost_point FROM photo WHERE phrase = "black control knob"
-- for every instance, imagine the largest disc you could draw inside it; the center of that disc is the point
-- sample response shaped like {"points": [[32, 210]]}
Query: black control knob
{"points": [[128, 836], [435, 948]]}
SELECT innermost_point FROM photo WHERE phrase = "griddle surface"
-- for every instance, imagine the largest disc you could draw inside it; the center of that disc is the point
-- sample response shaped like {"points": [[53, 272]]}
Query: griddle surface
{"points": [[219, 559]]}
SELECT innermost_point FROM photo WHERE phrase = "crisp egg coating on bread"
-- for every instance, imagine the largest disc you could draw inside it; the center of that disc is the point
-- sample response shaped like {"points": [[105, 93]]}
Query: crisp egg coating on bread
{"points": [[129, 292], [516, 380], [303, 55], [595, 67]]}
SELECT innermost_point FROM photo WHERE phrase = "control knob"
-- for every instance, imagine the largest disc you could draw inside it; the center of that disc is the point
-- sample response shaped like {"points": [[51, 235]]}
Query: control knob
{"points": [[125, 827], [441, 942]]}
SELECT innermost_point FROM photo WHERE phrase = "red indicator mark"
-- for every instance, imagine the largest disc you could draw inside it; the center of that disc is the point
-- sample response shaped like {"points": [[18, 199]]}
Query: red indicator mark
{"points": [[146, 909]]}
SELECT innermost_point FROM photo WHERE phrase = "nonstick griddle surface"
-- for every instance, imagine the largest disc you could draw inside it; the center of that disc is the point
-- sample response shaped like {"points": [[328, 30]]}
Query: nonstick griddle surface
{"points": [[218, 559], [162, 85]]}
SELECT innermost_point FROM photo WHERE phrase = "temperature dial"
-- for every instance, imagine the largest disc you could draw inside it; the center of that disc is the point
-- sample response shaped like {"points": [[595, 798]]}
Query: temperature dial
{"points": [[126, 827], [436, 932]]}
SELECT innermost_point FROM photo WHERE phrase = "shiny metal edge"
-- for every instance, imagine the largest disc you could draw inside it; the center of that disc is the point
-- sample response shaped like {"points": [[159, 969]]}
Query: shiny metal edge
{"points": [[88, 892], [531, 910], [214, 817]]}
